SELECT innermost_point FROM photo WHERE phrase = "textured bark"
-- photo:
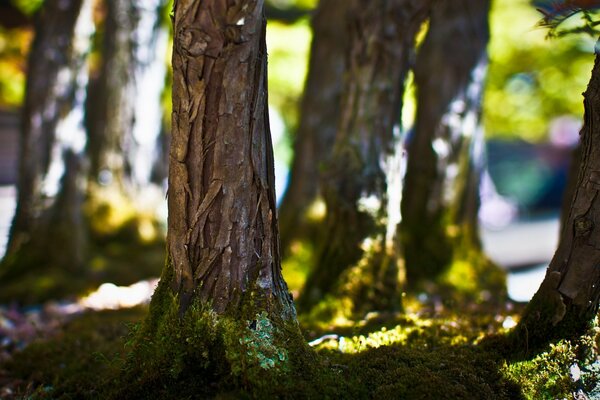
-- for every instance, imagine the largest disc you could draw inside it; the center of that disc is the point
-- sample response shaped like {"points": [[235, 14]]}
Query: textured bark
{"points": [[109, 109], [362, 183], [318, 116], [222, 228], [48, 99], [441, 192], [571, 186], [568, 298]]}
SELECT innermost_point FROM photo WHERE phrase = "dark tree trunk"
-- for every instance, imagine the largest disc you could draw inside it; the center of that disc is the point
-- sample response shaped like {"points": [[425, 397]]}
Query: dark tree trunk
{"points": [[47, 102], [318, 117], [48, 239], [445, 152], [568, 298], [222, 232], [362, 184], [222, 289]]}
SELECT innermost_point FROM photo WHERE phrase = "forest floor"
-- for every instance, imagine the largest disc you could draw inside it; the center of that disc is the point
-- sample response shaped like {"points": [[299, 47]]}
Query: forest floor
{"points": [[433, 351]]}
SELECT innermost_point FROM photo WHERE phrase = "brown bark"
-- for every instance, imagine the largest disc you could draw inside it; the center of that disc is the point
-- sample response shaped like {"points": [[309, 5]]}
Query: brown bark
{"points": [[47, 101], [362, 185], [568, 298], [441, 192], [318, 116], [222, 228]]}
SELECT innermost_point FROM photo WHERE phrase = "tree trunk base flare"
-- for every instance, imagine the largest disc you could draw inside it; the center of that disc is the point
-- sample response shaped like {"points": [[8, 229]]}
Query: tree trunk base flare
{"points": [[373, 283], [201, 353], [567, 302], [471, 277]]}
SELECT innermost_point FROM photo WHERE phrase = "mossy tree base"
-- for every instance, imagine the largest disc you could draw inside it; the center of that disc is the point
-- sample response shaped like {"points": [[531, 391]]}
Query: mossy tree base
{"points": [[201, 353]]}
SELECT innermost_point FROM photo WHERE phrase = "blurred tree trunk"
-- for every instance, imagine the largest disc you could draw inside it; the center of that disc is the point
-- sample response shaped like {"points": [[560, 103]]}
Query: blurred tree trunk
{"points": [[109, 109], [223, 259], [50, 96], [358, 257], [48, 233], [568, 298], [318, 117], [446, 149]]}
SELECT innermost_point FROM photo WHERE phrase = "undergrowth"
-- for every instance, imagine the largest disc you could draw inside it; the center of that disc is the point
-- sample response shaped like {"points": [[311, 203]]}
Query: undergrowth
{"points": [[385, 356]]}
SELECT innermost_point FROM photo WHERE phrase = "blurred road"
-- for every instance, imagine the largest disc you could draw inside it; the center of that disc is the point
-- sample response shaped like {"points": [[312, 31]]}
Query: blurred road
{"points": [[525, 249], [522, 243]]}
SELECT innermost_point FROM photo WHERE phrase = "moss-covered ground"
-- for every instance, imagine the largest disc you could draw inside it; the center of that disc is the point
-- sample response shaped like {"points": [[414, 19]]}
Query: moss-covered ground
{"points": [[443, 345], [123, 246], [421, 354]]}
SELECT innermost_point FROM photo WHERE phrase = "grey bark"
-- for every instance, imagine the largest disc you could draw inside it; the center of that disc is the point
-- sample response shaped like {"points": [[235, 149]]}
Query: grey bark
{"points": [[445, 152]]}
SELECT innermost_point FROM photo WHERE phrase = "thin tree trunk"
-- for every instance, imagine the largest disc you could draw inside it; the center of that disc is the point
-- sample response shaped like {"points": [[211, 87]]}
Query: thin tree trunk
{"points": [[445, 153], [319, 114], [110, 110], [568, 298], [362, 185], [47, 101]]}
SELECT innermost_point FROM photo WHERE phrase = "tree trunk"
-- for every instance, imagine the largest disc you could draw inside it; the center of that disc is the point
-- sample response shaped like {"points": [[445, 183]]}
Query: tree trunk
{"points": [[445, 153], [47, 101], [48, 237], [568, 298], [110, 107], [318, 117], [222, 302], [362, 183]]}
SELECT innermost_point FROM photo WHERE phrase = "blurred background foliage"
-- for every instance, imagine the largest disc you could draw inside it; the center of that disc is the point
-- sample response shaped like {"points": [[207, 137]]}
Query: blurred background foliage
{"points": [[531, 81]]}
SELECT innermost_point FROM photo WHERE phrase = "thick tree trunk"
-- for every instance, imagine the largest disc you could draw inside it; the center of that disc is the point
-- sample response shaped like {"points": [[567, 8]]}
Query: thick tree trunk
{"points": [[47, 101], [568, 298], [318, 116], [222, 306], [222, 232], [445, 153], [362, 185]]}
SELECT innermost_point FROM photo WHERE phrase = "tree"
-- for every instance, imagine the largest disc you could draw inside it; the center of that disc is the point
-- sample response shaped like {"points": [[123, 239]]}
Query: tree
{"points": [[222, 308], [47, 230], [318, 117], [362, 185], [110, 106], [62, 224], [446, 148], [46, 104], [568, 298]]}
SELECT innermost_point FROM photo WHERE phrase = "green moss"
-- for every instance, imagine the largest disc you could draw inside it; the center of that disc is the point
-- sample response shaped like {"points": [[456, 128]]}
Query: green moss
{"points": [[199, 353], [203, 355], [80, 361], [118, 253]]}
